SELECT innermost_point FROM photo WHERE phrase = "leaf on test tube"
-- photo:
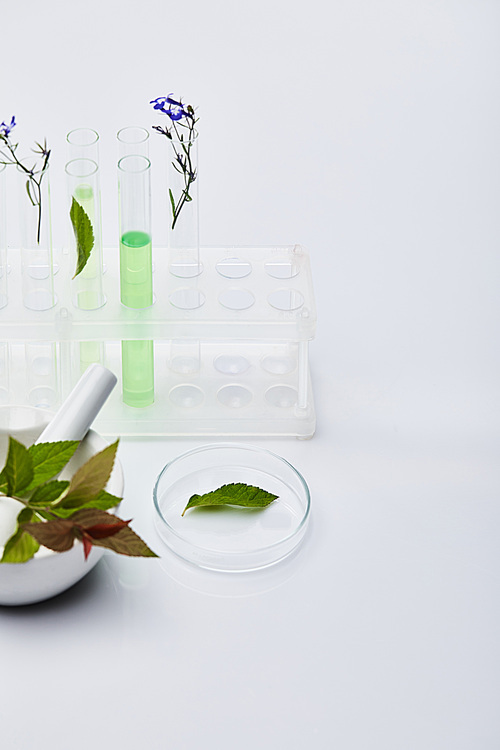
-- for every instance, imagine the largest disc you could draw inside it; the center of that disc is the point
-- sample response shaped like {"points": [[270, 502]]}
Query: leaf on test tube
{"points": [[244, 495], [84, 234]]}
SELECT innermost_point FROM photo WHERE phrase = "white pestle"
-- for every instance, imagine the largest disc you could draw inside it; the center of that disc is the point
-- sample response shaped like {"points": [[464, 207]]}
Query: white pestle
{"points": [[74, 417]]}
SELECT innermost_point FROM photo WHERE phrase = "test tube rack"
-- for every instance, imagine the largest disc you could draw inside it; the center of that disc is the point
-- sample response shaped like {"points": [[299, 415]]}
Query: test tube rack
{"points": [[231, 345]]}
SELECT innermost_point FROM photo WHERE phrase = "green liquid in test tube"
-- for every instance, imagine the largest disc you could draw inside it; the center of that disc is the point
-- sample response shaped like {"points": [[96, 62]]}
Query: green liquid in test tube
{"points": [[136, 278], [136, 274], [138, 373]]}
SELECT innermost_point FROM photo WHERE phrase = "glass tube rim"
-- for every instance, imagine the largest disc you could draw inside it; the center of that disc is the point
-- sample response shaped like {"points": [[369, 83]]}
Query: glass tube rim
{"points": [[133, 142], [79, 174], [144, 159], [82, 130]]}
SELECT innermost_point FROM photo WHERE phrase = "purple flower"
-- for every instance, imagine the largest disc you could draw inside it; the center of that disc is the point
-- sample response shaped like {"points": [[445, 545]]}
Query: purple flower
{"points": [[173, 101], [159, 103], [175, 110], [5, 130]]}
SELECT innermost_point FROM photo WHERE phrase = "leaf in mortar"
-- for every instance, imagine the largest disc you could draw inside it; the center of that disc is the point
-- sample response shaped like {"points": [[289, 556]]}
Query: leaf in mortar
{"points": [[104, 501], [120, 538], [84, 235], [21, 546], [49, 459], [18, 469], [48, 493], [57, 535], [4, 485], [90, 479], [233, 494]]}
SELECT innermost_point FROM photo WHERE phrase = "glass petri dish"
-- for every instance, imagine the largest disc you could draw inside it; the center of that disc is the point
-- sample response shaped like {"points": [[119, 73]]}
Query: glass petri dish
{"points": [[230, 538]]}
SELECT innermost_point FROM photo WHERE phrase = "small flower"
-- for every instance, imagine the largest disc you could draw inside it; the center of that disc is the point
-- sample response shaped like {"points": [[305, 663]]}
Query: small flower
{"points": [[5, 130], [173, 101], [181, 132], [175, 110], [159, 103]]}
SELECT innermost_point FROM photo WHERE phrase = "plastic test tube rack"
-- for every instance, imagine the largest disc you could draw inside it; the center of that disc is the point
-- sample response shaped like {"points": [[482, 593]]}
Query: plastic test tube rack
{"points": [[230, 345]]}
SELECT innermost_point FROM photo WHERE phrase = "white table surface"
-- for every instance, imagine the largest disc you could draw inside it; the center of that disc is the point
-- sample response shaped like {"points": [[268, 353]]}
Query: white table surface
{"points": [[368, 132]]}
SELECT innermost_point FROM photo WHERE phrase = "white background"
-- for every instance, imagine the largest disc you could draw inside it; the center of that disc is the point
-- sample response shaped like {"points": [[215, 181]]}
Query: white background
{"points": [[369, 133]]}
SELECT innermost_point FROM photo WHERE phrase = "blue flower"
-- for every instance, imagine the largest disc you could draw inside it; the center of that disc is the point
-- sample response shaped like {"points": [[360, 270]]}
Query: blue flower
{"points": [[159, 103], [173, 101], [5, 130], [175, 110]]}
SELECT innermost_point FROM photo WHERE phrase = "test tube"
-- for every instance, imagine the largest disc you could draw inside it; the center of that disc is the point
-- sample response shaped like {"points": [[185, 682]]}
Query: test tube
{"points": [[136, 274], [133, 141], [84, 210], [36, 237], [83, 179]]}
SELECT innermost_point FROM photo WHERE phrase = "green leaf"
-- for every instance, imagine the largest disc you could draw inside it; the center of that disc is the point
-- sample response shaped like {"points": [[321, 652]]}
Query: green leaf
{"points": [[233, 494], [48, 493], [103, 501], [28, 190], [172, 201], [84, 234], [90, 479], [21, 546], [49, 459], [18, 469], [4, 485]]}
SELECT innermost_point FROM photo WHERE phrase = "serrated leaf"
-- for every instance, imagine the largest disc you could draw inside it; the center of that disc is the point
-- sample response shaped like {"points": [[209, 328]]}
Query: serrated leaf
{"points": [[84, 235], [18, 469], [111, 532], [97, 522], [233, 494], [21, 546], [103, 501], [90, 479], [126, 542], [57, 535], [48, 493], [49, 459]]}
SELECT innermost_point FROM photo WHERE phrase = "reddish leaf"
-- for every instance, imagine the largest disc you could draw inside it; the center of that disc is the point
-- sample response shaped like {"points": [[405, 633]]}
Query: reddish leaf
{"points": [[103, 530], [126, 542], [87, 546], [57, 535], [85, 518]]}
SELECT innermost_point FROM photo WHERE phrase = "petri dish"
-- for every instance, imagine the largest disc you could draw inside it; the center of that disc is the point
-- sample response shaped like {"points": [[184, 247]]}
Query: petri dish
{"points": [[230, 538]]}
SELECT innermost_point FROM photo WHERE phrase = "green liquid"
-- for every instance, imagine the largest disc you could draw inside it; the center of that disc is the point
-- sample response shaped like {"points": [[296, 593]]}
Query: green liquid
{"points": [[138, 373], [90, 352], [136, 271]]}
